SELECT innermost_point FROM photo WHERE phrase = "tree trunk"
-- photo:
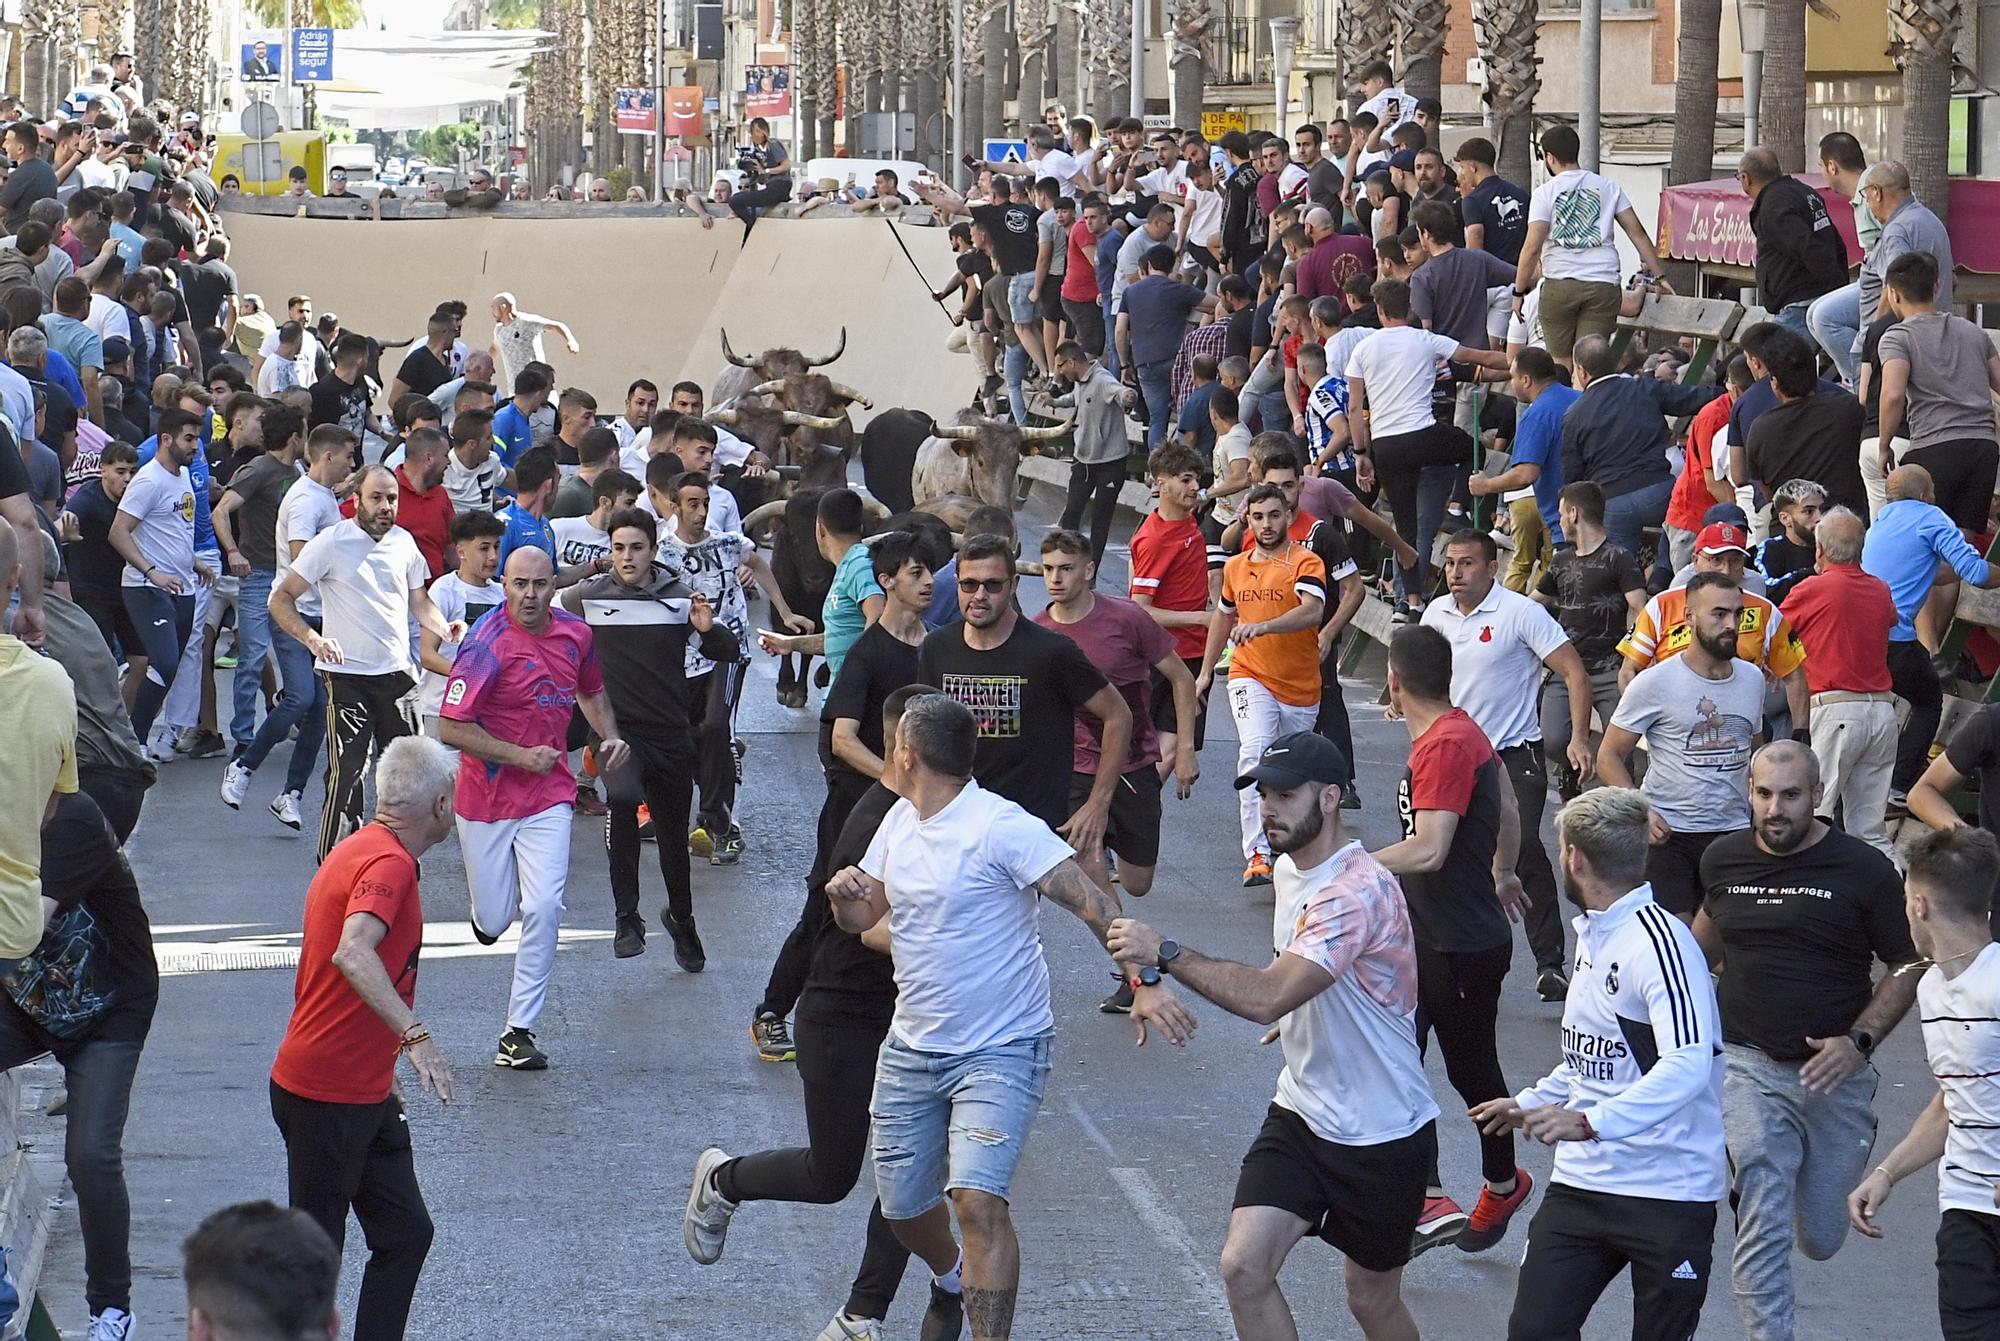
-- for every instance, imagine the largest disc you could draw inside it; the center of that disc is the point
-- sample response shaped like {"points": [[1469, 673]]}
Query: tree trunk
{"points": [[1068, 49], [1781, 114], [1507, 30], [993, 92], [1925, 32], [1694, 91], [1421, 29], [1031, 36], [1189, 23]]}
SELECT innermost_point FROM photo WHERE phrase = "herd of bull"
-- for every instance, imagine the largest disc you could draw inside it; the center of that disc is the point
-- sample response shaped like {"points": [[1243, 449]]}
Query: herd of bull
{"points": [[919, 475]]}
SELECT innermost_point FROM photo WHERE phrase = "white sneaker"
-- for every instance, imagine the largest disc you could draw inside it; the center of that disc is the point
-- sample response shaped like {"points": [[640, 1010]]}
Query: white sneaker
{"points": [[844, 1328], [285, 808], [113, 1324], [160, 749], [706, 1223], [235, 784]]}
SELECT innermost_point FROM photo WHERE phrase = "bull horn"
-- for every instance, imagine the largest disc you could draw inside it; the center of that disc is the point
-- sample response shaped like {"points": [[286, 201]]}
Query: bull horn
{"points": [[1024, 568], [764, 512], [870, 504], [731, 354], [728, 417], [1044, 434], [842, 349], [825, 423], [849, 393], [775, 387], [960, 431]]}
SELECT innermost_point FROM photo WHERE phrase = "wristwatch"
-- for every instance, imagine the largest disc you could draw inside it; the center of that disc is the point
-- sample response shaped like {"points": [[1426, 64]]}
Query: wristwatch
{"points": [[1145, 977], [1169, 952], [1862, 1040]]}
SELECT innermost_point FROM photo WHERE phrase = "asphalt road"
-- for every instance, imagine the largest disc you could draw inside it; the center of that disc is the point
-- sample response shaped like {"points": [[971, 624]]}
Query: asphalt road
{"points": [[558, 1196]]}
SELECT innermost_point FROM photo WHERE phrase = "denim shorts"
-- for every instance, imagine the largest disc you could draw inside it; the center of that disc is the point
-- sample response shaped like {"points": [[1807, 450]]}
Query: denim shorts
{"points": [[1020, 308], [945, 1122]]}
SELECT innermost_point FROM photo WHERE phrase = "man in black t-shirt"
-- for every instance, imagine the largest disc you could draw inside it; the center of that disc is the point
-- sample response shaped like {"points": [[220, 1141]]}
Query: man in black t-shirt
{"points": [[428, 366], [844, 1014], [1596, 589], [1793, 911], [95, 569], [1016, 246], [209, 286], [1495, 210], [1024, 685]]}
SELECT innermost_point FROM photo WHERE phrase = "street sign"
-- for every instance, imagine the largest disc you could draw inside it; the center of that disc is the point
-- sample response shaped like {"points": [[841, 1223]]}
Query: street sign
{"points": [[312, 55], [259, 120], [1157, 121], [1214, 125], [1004, 151]]}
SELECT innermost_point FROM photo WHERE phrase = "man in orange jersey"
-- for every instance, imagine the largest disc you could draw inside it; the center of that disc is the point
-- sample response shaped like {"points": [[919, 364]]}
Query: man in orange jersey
{"points": [[1268, 616]]}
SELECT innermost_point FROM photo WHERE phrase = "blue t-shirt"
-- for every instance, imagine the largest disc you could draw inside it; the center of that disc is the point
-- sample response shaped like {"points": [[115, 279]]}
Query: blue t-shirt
{"points": [[525, 528], [1195, 419], [1905, 544], [1107, 260], [62, 372], [204, 525], [944, 595], [130, 243], [1501, 208], [841, 614], [513, 434], [1538, 440]]}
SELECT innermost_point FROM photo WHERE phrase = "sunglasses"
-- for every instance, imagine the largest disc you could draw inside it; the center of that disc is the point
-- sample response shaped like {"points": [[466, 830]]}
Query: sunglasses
{"points": [[992, 586]]}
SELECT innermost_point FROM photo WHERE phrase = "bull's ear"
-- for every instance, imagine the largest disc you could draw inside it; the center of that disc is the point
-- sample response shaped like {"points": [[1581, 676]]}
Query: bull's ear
{"points": [[963, 446]]}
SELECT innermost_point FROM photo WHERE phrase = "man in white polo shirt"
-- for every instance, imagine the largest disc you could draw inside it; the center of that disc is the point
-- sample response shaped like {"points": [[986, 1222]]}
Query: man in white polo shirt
{"points": [[1499, 641]]}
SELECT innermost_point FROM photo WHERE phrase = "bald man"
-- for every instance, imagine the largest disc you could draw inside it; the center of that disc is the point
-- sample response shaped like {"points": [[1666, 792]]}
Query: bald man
{"points": [[507, 706], [367, 571]]}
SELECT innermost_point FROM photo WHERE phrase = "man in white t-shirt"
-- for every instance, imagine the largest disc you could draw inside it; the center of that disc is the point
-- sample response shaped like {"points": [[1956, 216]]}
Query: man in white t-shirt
{"points": [[1347, 1143], [154, 534], [517, 338], [1398, 442], [465, 595], [1572, 246], [641, 399], [956, 871], [370, 577], [1046, 158], [306, 361]]}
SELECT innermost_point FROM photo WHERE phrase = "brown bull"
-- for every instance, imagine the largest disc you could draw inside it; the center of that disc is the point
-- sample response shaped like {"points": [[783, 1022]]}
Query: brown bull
{"points": [[745, 373]]}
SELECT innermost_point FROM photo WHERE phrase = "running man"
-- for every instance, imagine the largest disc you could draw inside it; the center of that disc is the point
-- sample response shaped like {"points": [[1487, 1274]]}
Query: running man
{"points": [[517, 338], [1176, 576], [1351, 1135], [1634, 1109], [507, 706], [1268, 616], [154, 533], [644, 619]]}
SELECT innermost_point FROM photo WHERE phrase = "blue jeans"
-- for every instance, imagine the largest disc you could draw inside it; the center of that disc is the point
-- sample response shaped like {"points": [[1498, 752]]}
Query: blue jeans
{"points": [[1834, 319], [301, 703], [1016, 365], [1156, 384], [253, 645], [1629, 514], [1273, 415], [927, 1108], [1792, 316], [1110, 359]]}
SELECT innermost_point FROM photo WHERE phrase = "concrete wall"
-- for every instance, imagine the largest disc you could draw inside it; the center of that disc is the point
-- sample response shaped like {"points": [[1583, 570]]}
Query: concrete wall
{"points": [[647, 297]]}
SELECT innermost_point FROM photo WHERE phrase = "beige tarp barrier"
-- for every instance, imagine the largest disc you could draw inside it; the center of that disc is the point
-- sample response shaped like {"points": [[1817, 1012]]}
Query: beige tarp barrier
{"points": [[646, 297]]}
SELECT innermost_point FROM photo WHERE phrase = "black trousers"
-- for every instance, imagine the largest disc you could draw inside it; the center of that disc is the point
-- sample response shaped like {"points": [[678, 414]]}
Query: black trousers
{"points": [[1360, 543], [1332, 721], [1400, 461], [844, 788], [1098, 486], [1087, 320], [1914, 679], [119, 793], [1579, 1241], [1968, 1265], [357, 1156], [659, 773], [745, 204], [713, 716], [363, 714], [837, 1070], [1529, 773], [1458, 999]]}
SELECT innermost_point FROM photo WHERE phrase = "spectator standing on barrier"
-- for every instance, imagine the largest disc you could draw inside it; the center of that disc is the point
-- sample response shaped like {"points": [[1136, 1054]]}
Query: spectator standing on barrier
{"points": [[1616, 434], [1834, 319], [1595, 590], [1152, 321], [1495, 210], [1801, 256]]}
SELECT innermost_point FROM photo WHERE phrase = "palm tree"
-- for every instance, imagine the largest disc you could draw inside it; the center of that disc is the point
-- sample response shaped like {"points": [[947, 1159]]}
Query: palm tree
{"points": [[113, 18], [1925, 35], [49, 32], [1694, 91], [1031, 35], [1781, 112], [1188, 25], [309, 13], [1421, 26], [1506, 31], [1367, 33]]}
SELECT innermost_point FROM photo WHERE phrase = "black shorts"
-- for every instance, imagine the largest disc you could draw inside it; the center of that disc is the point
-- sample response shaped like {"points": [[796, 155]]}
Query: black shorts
{"points": [[1362, 1199], [1165, 721], [1674, 870], [1968, 1265], [1962, 473], [1051, 300], [1132, 829]]}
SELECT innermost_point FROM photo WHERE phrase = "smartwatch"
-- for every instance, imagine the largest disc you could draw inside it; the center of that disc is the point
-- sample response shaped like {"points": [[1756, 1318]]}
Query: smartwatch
{"points": [[1862, 1040], [1148, 976], [1169, 952]]}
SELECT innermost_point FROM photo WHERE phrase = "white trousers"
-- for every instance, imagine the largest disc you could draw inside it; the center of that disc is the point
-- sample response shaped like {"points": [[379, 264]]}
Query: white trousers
{"points": [[1856, 745], [1872, 477], [1260, 719], [518, 867], [183, 706]]}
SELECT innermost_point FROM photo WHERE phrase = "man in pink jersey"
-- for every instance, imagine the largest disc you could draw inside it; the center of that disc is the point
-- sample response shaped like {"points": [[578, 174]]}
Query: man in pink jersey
{"points": [[507, 705]]}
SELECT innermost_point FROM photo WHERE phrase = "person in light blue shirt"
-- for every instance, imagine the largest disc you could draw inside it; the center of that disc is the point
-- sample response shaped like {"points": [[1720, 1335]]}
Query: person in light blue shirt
{"points": [[855, 599], [1905, 545], [513, 425], [1540, 384]]}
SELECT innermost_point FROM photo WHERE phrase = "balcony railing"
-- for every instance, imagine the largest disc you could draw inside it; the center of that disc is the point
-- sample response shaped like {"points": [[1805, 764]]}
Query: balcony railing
{"points": [[1244, 52]]}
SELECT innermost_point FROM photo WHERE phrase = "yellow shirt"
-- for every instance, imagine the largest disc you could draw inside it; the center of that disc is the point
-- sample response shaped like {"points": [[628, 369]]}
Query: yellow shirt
{"points": [[38, 724]]}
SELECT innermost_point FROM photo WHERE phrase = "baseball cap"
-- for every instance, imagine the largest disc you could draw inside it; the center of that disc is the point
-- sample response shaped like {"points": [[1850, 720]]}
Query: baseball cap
{"points": [[117, 349], [1404, 160], [1294, 760], [1726, 512], [1720, 538], [190, 118]]}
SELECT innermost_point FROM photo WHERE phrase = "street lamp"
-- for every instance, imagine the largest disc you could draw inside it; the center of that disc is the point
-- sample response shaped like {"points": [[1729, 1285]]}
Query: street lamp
{"points": [[1284, 41], [1750, 34]]}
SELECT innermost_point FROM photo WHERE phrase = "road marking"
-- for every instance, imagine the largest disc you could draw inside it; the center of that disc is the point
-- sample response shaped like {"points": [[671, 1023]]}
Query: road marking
{"points": [[280, 950], [1143, 1194]]}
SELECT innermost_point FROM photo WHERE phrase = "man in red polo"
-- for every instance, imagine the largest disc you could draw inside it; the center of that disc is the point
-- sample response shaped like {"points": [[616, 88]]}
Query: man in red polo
{"points": [[1844, 616], [423, 508], [1335, 257]]}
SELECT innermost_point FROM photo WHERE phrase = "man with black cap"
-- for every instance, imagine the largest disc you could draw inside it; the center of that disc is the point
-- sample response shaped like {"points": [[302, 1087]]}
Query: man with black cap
{"points": [[1348, 1142]]}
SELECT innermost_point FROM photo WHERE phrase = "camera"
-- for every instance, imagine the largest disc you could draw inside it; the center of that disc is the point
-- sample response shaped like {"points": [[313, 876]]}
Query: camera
{"points": [[749, 160]]}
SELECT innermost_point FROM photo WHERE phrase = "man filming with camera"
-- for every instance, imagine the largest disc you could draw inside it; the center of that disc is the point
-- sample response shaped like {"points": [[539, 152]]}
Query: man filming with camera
{"points": [[767, 175]]}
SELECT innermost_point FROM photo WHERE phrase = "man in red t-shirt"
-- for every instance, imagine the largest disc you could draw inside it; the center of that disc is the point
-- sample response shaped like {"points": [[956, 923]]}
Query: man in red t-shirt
{"points": [[1175, 577], [1704, 481], [1081, 301], [347, 1143], [423, 508]]}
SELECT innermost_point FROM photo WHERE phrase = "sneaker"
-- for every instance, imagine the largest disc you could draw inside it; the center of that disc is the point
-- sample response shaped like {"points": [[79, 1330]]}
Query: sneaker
{"points": [[1401, 615], [160, 749], [1552, 985], [844, 1328], [1441, 1222], [1119, 1002], [648, 832], [730, 850], [285, 809], [1258, 872], [588, 802], [479, 935], [226, 660], [706, 1223], [113, 1324], [518, 1050], [687, 945], [1488, 1222], [944, 1320], [738, 747], [631, 938], [235, 785], [700, 842], [199, 744], [773, 1038]]}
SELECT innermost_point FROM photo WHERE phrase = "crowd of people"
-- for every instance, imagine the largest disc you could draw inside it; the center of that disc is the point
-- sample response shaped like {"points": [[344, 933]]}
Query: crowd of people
{"points": [[1725, 647]]}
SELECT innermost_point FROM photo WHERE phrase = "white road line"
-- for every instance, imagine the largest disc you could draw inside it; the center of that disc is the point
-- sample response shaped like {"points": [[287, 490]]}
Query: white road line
{"points": [[1144, 1196]]}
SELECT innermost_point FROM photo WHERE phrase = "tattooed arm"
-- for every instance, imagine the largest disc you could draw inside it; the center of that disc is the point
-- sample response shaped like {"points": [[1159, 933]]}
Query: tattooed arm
{"points": [[1068, 887]]}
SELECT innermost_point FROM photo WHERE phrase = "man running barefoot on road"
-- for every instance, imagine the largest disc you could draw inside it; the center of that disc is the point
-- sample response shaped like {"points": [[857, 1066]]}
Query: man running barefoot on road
{"points": [[1352, 1134], [956, 870]]}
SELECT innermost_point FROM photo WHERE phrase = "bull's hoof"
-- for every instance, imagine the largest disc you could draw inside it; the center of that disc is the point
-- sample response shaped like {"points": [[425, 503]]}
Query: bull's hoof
{"points": [[799, 697]]}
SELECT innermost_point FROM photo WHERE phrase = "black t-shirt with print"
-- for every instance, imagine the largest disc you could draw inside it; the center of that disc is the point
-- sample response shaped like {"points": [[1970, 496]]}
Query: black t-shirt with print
{"points": [[877, 665], [1025, 695], [1589, 592], [1016, 247]]}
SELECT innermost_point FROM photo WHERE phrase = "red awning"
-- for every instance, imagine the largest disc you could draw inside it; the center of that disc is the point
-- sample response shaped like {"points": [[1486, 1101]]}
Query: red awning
{"points": [[1710, 221]]}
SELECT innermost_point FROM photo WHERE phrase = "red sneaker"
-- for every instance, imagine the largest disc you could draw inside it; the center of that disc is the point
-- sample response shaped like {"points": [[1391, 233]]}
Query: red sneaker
{"points": [[1488, 1222], [1258, 872], [1441, 1223]]}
